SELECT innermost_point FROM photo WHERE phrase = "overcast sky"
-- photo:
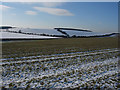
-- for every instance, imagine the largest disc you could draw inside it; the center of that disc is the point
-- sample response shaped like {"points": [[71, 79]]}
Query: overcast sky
{"points": [[96, 16]]}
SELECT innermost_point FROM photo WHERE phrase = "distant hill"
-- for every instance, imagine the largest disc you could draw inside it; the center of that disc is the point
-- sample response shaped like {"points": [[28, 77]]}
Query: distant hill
{"points": [[10, 32]]}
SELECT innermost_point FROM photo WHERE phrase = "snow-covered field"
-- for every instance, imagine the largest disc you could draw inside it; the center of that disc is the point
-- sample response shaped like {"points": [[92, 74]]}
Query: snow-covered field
{"points": [[98, 69], [7, 35], [82, 33]]}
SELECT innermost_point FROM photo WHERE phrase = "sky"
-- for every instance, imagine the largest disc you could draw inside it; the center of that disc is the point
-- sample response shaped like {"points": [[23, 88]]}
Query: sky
{"points": [[95, 16]]}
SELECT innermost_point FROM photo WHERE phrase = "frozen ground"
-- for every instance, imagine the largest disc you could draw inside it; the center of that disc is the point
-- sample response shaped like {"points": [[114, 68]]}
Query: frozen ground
{"points": [[98, 69]]}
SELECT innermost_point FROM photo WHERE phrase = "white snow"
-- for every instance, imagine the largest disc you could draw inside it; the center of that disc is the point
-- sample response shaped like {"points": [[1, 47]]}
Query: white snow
{"points": [[7, 35], [82, 33]]}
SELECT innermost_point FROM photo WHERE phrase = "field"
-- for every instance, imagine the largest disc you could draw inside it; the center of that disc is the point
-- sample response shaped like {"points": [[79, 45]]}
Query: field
{"points": [[61, 63]]}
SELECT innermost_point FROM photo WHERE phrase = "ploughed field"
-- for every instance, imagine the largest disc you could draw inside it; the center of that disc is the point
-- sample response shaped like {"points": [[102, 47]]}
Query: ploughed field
{"points": [[61, 63]]}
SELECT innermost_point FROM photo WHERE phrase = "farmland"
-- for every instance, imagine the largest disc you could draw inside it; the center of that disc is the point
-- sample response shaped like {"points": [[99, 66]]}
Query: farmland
{"points": [[61, 63]]}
